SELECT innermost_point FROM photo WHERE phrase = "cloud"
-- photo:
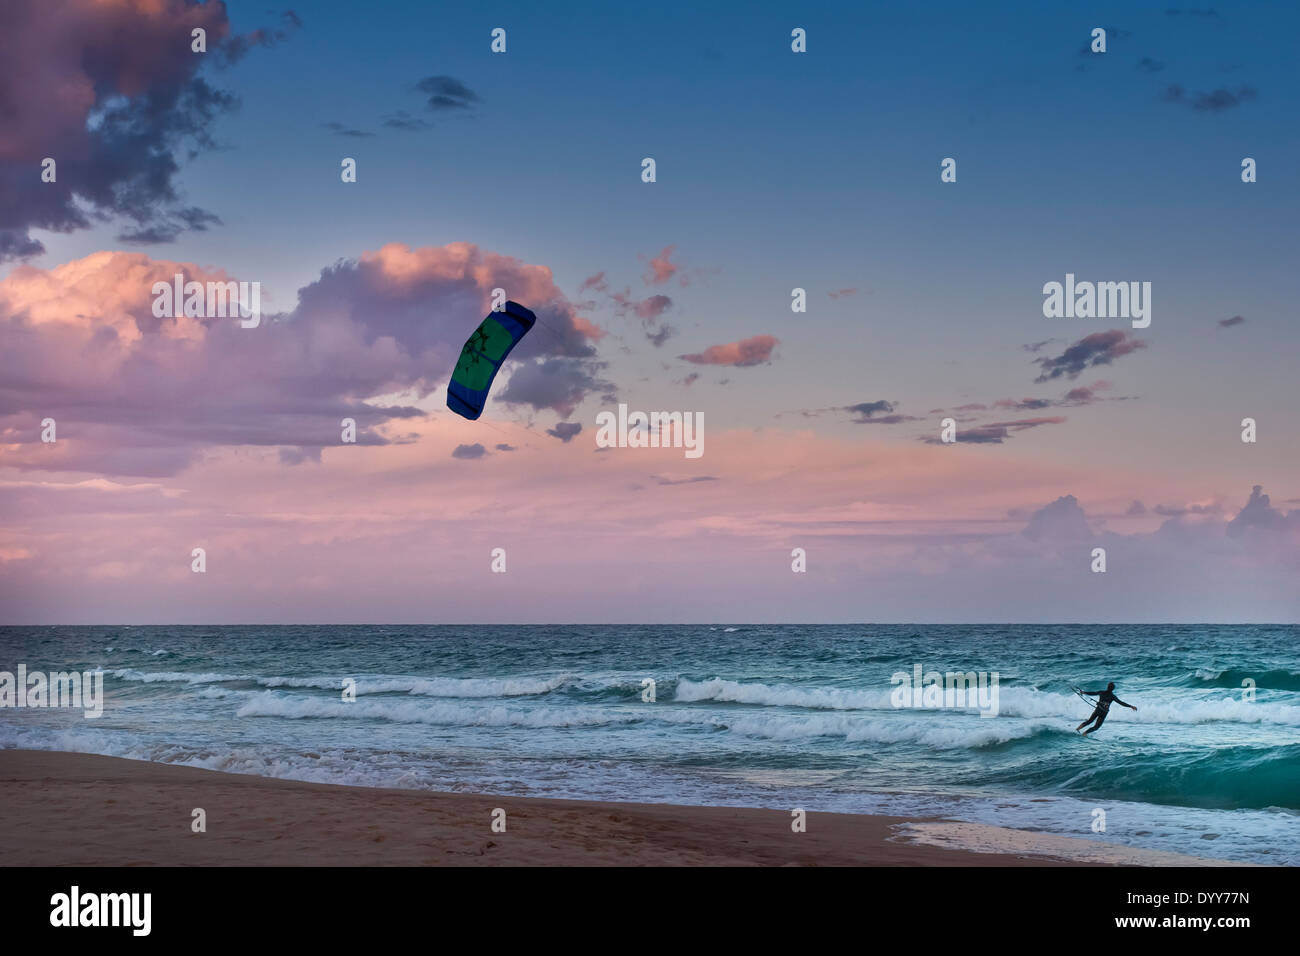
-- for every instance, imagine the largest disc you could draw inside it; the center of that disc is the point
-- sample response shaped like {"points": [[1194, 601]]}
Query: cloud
{"points": [[338, 129], [1215, 101], [402, 120], [868, 413], [661, 269], [1259, 513], [446, 93], [565, 431], [1228, 323], [1038, 346], [506, 447], [559, 384], [1148, 65], [995, 433], [661, 335], [1100, 348], [665, 480], [1085, 394], [469, 452], [110, 91], [1062, 520], [751, 351], [596, 282], [136, 394], [1136, 508], [842, 293], [1024, 404]]}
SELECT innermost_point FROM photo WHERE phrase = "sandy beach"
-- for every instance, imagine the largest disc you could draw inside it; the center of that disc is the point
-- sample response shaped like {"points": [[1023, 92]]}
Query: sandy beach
{"points": [[87, 810]]}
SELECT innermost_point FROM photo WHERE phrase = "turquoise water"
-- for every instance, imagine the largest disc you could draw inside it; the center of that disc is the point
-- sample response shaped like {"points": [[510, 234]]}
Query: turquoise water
{"points": [[779, 716]]}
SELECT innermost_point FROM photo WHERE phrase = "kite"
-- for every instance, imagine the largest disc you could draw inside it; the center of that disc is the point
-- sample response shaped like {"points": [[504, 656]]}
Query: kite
{"points": [[482, 356]]}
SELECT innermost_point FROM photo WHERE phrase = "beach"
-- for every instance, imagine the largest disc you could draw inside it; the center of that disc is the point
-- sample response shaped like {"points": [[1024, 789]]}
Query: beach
{"points": [[72, 809]]}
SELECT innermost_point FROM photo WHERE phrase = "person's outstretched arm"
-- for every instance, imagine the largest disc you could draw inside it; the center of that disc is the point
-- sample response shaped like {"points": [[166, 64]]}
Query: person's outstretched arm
{"points": [[1122, 704]]}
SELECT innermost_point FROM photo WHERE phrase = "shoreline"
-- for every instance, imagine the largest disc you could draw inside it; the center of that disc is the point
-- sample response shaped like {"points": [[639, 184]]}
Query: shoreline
{"points": [[74, 809]]}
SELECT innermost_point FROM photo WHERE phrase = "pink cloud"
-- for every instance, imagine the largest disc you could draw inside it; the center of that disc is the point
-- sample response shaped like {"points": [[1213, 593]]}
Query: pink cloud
{"points": [[751, 351], [661, 269], [136, 394]]}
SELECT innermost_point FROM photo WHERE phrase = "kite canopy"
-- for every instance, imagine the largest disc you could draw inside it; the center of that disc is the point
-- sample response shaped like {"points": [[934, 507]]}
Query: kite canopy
{"points": [[482, 356]]}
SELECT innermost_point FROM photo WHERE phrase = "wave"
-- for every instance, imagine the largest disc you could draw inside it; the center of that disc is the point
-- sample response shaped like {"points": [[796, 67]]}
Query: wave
{"points": [[1013, 701], [821, 698], [1232, 677], [410, 712], [1227, 778], [381, 684]]}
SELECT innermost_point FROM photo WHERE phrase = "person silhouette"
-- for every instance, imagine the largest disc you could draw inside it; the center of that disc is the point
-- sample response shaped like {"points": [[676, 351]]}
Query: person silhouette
{"points": [[1104, 699]]}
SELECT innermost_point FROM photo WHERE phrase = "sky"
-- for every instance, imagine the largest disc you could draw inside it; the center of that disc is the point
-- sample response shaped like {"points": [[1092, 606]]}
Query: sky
{"points": [[775, 170]]}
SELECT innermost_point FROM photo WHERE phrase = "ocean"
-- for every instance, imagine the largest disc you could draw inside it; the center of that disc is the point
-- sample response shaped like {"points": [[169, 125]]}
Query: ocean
{"points": [[772, 716]]}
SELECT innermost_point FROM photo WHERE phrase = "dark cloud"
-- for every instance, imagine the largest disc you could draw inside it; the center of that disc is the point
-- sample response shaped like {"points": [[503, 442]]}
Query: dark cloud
{"points": [[1024, 404], [995, 433], [235, 48], [505, 447], [338, 129], [842, 293], [111, 92], [403, 120], [662, 480], [868, 413], [469, 452], [565, 431], [446, 93], [1214, 101], [1100, 348], [559, 384], [1228, 323], [661, 335], [1136, 508]]}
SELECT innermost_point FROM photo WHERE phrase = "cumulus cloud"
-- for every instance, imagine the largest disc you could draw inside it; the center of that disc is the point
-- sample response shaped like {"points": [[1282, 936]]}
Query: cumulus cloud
{"points": [[1260, 513], [755, 350], [1063, 519], [1099, 348], [1228, 323], [469, 452], [137, 394]]}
